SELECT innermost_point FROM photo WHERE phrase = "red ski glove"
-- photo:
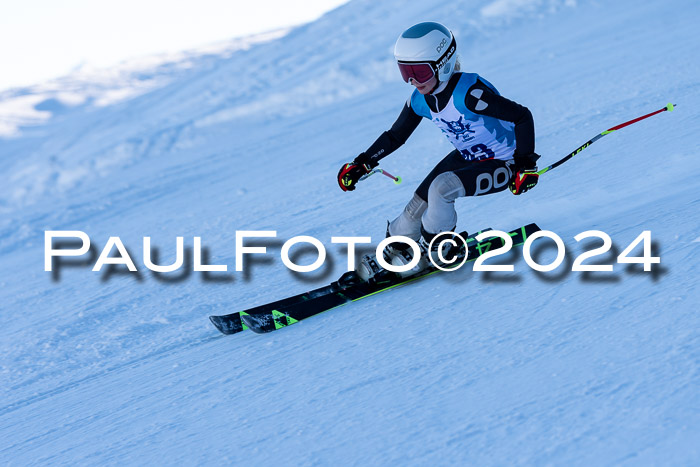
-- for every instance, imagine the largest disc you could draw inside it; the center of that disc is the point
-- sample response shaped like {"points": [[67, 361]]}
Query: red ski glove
{"points": [[350, 174], [525, 173], [523, 181]]}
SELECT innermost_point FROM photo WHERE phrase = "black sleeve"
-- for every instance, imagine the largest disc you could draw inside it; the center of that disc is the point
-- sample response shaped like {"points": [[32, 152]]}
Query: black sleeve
{"points": [[482, 100], [391, 140]]}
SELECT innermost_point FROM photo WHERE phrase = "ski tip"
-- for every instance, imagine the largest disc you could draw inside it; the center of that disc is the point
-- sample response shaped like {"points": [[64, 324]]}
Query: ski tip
{"points": [[530, 228], [670, 107]]}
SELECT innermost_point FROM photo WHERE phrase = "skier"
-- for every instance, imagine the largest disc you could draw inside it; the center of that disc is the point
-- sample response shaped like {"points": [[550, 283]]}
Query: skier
{"points": [[494, 141]]}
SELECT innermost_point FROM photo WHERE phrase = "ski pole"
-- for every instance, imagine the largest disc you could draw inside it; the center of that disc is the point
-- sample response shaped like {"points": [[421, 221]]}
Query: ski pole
{"points": [[396, 180], [668, 107]]}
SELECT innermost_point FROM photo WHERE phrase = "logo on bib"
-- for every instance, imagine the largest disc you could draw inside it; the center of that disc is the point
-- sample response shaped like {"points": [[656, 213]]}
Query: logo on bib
{"points": [[461, 131]]}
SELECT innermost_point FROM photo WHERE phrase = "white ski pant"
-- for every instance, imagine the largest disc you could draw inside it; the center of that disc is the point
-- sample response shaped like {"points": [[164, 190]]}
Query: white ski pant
{"points": [[433, 204]]}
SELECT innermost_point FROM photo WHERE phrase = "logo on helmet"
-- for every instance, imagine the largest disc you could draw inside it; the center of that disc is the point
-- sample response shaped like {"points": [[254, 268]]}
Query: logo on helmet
{"points": [[442, 44], [446, 58]]}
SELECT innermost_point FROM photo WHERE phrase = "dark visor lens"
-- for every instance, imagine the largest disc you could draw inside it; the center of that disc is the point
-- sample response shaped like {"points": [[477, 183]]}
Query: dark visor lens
{"points": [[420, 72]]}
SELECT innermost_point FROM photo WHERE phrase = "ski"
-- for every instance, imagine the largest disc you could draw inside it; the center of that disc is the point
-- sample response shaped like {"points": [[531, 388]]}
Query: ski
{"points": [[232, 323], [281, 316]]}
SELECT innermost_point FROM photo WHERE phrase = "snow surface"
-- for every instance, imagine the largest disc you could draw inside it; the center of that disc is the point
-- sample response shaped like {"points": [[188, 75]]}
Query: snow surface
{"points": [[515, 368]]}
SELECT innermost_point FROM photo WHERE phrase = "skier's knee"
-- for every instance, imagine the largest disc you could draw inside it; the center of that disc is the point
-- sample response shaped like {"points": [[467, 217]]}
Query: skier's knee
{"points": [[445, 188]]}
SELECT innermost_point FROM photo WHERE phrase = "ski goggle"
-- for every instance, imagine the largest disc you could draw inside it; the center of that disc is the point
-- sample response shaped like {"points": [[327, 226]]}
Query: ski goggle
{"points": [[420, 73]]}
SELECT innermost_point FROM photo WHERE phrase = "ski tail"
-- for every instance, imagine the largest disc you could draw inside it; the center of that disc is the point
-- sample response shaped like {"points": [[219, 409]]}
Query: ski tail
{"points": [[229, 324]]}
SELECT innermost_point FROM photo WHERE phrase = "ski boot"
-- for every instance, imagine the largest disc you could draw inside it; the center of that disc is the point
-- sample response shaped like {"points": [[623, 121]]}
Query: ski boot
{"points": [[442, 253], [401, 254], [369, 269]]}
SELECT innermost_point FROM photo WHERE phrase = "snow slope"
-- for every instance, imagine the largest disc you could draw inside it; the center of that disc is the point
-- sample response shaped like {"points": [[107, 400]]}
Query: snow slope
{"points": [[522, 368]]}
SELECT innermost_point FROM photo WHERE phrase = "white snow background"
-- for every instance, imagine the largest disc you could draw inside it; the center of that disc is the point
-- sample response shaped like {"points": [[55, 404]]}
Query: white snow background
{"points": [[502, 368]]}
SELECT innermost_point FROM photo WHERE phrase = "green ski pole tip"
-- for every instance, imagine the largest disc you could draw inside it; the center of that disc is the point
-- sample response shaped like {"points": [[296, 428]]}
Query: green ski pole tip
{"points": [[398, 180], [669, 107]]}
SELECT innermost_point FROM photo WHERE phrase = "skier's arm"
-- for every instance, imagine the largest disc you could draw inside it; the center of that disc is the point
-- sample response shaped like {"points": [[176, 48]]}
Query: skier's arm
{"points": [[482, 100], [391, 140], [388, 142]]}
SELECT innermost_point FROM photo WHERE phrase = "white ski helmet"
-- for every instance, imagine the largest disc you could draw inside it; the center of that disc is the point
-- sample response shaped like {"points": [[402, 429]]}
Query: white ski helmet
{"points": [[426, 43]]}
